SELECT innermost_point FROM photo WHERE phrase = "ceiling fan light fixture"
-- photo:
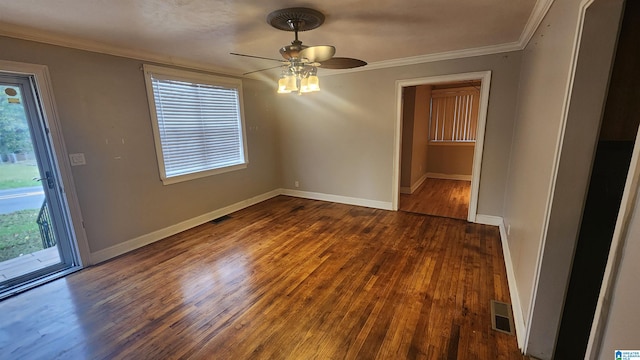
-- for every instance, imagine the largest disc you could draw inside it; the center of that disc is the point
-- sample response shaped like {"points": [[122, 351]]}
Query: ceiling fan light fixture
{"points": [[300, 72], [282, 86], [304, 85], [313, 83], [291, 83]]}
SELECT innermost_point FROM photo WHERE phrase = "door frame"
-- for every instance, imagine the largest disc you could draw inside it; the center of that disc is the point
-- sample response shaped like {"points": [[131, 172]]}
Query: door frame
{"points": [[60, 155], [485, 78]]}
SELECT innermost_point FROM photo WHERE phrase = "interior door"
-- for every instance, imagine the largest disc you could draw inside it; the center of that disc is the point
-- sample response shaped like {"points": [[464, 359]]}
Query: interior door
{"points": [[38, 202]]}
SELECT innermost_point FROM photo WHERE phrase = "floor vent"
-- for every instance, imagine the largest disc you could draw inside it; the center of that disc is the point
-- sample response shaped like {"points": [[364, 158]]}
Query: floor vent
{"points": [[221, 219], [501, 317]]}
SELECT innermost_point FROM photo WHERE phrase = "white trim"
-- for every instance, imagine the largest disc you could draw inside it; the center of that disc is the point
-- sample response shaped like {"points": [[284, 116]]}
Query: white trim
{"points": [[31, 34], [489, 220], [50, 112], [449, 176], [538, 13], [540, 10], [442, 56], [511, 276], [516, 305], [556, 164], [26, 33], [485, 77], [411, 189], [337, 199], [140, 241], [152, 72], [627, 205]]}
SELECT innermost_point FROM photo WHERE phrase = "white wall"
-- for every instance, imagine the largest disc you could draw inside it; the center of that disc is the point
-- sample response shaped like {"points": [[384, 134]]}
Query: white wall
{"points": [[102, 102], [340, 141], [550, 163]]}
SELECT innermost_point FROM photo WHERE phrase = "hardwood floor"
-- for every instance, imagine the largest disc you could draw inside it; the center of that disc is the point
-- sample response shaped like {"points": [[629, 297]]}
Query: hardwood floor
{"points": [[285, 279], [440, 197]]}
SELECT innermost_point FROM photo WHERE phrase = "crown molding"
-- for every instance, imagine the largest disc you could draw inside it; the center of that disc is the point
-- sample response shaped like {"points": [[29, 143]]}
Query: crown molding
{"points": [[447, 55], [31, 34], [25, 33], [540, 10]]}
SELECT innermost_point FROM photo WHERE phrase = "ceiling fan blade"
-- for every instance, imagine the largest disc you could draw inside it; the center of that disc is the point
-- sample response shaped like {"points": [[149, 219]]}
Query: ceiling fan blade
{"points": [[256, 57], [318, 53], [265, 69], [342, 63]]}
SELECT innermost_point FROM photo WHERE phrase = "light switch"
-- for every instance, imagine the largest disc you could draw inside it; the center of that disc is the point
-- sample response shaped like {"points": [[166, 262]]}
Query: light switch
{"points": [[77, 159]]}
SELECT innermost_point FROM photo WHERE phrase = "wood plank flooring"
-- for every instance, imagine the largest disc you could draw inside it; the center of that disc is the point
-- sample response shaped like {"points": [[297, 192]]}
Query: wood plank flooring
{"points": [[285, 279], [440, 197]]}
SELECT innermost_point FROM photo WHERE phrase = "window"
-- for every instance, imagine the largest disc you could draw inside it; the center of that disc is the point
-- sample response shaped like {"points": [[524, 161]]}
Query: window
{"points": [[454, 115], [198, 124]]}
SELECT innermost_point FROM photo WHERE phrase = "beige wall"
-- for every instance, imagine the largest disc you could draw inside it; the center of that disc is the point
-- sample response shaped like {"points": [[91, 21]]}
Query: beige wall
{"points": [[544, 224], [408, 111], [420, 133], [415, 134], [102, 102], [452, 159], [622, 328], [342, 140], [543, 82], [339, 141]]}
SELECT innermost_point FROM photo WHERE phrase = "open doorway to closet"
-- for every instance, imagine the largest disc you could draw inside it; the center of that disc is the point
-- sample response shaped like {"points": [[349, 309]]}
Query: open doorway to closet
{"points": [[442, 123]]}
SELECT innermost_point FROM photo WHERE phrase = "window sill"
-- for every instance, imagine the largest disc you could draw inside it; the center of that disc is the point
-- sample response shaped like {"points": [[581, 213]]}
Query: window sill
{"points": [[452, 143], [198, 175]]}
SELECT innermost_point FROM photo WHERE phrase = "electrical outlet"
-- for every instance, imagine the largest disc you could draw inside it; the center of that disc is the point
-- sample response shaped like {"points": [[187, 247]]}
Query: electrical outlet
{"points": [[296, 184]]}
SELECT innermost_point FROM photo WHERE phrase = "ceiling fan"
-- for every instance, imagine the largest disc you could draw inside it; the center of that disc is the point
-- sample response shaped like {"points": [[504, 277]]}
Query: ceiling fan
{"points": [[301, 61]]}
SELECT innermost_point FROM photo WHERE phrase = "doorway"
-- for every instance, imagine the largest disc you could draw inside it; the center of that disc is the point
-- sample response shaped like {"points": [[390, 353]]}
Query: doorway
{"points": [[439, 123], [37, 237], [439, 138]]}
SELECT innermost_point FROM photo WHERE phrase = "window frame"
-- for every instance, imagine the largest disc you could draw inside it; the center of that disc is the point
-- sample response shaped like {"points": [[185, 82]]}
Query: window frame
{"points": [[196, 78]]}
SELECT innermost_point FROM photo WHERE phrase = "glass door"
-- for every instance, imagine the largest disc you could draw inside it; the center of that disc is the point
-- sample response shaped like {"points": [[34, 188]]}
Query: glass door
{"points": [[35, 230]]}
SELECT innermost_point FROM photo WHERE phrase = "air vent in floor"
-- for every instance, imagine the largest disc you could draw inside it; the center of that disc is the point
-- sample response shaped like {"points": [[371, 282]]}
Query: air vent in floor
{"points": [[501, 317], [221, 219]]}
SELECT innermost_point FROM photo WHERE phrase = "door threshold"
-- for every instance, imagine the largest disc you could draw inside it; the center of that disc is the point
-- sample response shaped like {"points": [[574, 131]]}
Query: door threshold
{"points": [[12, 291]]}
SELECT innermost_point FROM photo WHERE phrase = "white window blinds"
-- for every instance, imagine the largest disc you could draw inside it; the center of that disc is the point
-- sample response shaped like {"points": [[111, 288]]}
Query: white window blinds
{"points": [[198, 124], [454, 115]]}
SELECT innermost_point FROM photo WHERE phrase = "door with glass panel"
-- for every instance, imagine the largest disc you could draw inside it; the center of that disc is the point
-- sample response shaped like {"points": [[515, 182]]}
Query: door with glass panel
{"points": [[35, 230]]}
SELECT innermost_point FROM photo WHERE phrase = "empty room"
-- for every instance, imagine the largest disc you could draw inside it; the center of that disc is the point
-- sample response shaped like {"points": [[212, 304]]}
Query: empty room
{"points": [[319, 180]]}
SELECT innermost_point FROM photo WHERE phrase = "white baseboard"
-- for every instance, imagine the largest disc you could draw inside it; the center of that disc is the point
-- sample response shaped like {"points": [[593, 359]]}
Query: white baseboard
{"points": [[414, 187], [338, 199], [518, 317], [488, 220], [449, 176], [140, 241]]}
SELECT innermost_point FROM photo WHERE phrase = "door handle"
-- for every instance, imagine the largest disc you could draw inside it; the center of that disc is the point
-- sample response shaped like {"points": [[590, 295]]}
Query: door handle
{"points": [[48, 178]]}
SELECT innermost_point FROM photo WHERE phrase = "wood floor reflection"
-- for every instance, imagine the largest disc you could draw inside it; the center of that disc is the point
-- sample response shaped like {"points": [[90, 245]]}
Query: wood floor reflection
{"points": [[285, 279], [439, 197]]}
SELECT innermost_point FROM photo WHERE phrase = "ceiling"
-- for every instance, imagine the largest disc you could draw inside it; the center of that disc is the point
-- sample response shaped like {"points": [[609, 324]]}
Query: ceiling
{"points": [[202, 33]]}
